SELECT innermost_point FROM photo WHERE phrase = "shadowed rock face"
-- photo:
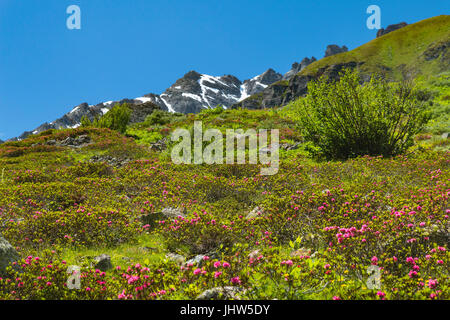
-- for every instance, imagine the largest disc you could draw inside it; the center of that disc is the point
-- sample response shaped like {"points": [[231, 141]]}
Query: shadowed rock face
{"points": [[333, 49], [140, 111], [283, 92], [391, 28], [7, 254], [439, 50]]}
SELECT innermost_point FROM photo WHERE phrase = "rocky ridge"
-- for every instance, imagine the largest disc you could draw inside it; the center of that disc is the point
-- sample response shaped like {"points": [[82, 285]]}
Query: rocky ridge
{"points": [[192, 93], [391, 28]]}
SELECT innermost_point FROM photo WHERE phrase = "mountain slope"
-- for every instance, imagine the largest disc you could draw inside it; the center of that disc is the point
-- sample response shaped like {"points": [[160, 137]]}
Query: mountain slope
{"points": [[420, 48], [190, 94], [195, 92]]}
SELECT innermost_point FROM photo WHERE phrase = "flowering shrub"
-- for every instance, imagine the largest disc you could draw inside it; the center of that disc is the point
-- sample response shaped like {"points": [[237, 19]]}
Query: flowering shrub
{"points": [[317, 229]]}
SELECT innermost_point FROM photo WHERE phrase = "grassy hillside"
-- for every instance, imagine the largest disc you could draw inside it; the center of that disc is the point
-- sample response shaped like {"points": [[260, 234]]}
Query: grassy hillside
{"points": [[418, 48], [320, 224]]}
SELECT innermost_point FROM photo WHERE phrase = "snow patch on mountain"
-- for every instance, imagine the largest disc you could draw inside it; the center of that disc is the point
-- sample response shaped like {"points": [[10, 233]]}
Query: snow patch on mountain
{"points": [[192, 96]]}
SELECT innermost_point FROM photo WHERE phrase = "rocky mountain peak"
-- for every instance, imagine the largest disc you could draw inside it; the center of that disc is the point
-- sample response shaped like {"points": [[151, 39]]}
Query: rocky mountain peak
{"points": [[269, 77], [190, 94], [259, 83], [192, 75], [297, 67]]}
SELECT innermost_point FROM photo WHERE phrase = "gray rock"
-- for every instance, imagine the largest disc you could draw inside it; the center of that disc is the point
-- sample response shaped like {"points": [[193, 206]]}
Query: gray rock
{"points": [[439, 234], [112, 161], [261, 82], [289, 146], [438, 49], [79, 141], [220, 293], [177, 258], [283, 92], [103, 262], [297, 67], [391, 28], [165, 214], [445, 135], [159, 145], [51, 142], [173, 213], [256, 212], [334, 49], [197, 260], [67, 142], [140, 111], [7, 255], [82, 140]]}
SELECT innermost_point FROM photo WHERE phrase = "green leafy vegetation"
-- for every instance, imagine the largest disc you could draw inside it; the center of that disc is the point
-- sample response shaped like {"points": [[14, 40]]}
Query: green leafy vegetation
{"points": [[345, 119], [115, 119], [320, 224]]}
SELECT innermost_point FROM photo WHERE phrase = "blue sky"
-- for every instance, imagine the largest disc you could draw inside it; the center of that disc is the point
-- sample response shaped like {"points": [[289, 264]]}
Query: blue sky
{"points": [[131, 48]]}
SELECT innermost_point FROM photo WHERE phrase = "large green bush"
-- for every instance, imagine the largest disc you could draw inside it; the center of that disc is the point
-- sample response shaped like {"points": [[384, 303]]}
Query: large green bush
{"points": [[346, 119], [160, 117], [116, 119]]}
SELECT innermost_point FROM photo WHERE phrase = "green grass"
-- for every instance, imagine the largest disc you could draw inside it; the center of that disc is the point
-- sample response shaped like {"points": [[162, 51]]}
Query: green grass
{"points": [[147, 249], [401, 51]]}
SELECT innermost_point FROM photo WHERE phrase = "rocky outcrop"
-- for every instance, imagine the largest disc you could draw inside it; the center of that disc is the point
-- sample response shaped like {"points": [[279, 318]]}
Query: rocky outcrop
{"points": [[222, 293], [290, 146], [103, 262], [256, 212], [439, 234], [77, 142], [257, 84], [334, 49], [391, 28], [283, 92], [152, 218], [297, 67], [112, 161], [140, 111], [7, 255], [439, 50], [173, 213], [160, 145], [177, 258]]}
